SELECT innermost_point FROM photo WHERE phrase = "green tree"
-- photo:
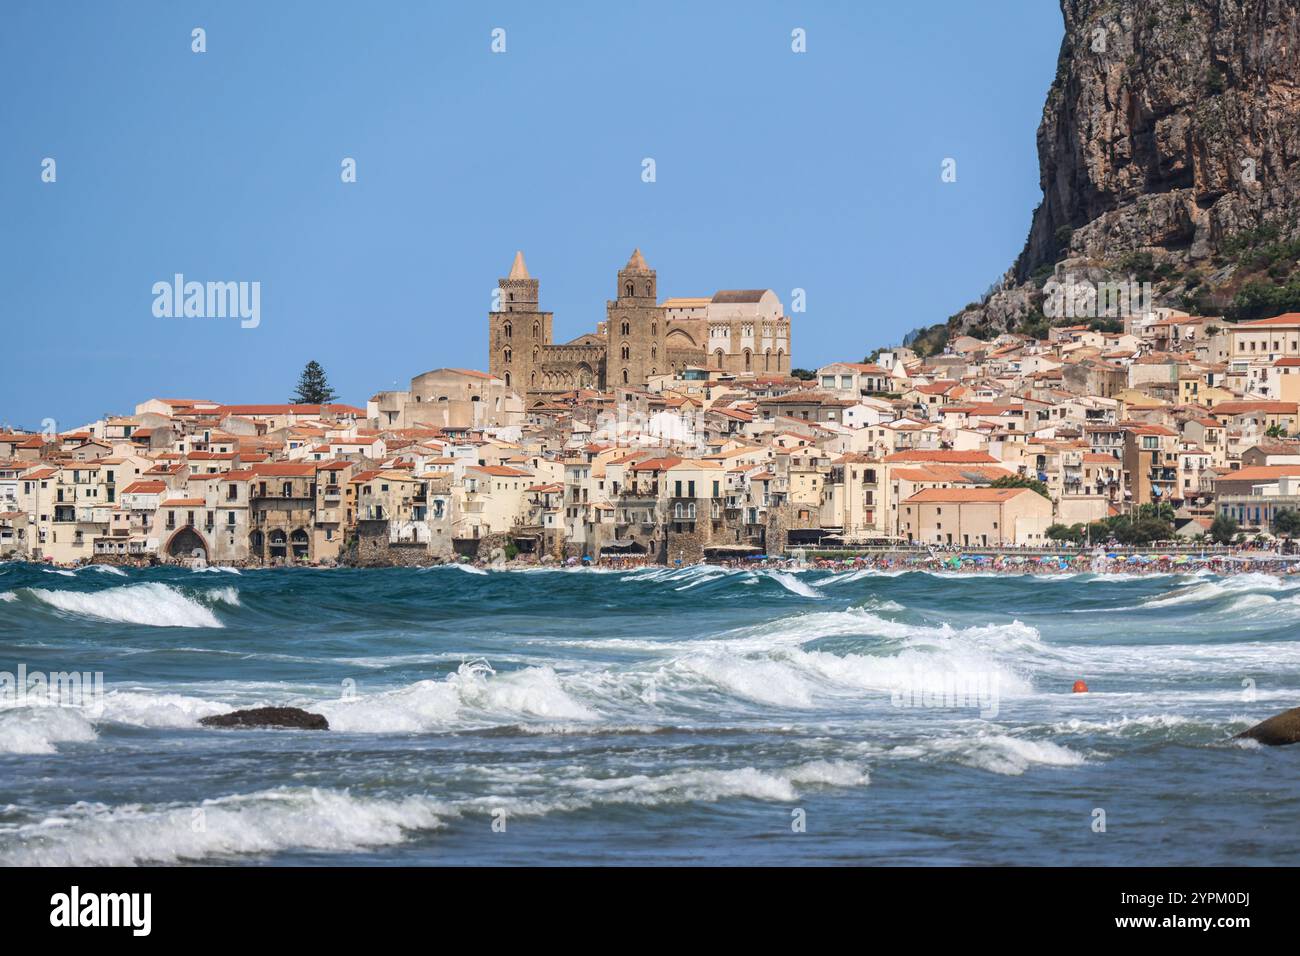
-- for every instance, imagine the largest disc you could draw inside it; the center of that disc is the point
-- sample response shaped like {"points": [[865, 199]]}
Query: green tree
{"points": [[313, 389], [1071, 533], [1223, 529], [1146, 530], [1287, 522], [1160, 511], [1275, 431], [803, 374], [1019, 481]]}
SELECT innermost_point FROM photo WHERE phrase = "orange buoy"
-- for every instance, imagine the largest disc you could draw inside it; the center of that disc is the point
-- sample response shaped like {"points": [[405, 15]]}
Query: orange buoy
{"points": [[1080, 687]]}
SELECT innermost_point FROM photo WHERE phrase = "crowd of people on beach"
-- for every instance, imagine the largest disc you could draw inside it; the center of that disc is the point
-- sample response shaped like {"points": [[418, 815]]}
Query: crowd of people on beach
{"points": [[1097, 561], [1100, 560]]}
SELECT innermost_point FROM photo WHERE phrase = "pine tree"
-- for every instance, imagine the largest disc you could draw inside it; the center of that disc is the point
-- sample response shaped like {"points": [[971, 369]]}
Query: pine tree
{"points": [[313, 389]]}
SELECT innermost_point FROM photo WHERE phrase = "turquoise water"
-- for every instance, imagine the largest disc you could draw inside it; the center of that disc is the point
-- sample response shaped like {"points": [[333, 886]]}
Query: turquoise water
{"points": [[696, 715]]}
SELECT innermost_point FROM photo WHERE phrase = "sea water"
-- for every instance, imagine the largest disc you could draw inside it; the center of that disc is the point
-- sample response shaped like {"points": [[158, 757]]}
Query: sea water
{"points": [[700, 715]]}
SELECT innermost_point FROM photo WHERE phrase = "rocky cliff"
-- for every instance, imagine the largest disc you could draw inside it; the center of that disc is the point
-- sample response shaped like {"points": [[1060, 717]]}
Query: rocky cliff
{"points": [[1169, 151]]}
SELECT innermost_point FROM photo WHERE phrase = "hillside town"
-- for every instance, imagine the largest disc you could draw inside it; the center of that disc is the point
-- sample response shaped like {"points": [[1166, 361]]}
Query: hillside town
{"points": [[678, 431]]}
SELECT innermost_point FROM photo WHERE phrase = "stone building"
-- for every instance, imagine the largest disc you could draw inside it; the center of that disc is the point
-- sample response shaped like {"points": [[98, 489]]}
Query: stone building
{"points": [[448, 398], [741, 331]]}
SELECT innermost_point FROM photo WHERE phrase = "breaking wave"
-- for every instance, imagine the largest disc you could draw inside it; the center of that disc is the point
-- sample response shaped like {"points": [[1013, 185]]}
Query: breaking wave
{"points": [[39, 730], [151, 604], [281, 819]]}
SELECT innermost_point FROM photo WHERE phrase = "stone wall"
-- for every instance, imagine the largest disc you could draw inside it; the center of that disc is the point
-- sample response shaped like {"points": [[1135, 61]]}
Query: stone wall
{"points": [[372, 549]]}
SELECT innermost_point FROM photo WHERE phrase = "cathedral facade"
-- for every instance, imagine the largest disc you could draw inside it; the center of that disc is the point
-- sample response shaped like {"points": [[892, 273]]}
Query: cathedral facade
{"points": [[739, 331]]}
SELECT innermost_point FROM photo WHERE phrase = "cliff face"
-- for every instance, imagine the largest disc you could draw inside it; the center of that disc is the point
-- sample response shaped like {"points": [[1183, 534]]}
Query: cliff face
{"points": [[1171, 131]]}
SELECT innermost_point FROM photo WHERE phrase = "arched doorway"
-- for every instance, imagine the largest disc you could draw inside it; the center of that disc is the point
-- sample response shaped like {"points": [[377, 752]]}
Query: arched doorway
{"points": [[279, 545], [300, 544], [187, 543], [256, 546]]}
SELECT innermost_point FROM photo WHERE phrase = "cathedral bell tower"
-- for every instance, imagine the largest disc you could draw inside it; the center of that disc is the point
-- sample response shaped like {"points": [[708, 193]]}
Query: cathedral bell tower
{"points": [[517, 331], [635, 327]]}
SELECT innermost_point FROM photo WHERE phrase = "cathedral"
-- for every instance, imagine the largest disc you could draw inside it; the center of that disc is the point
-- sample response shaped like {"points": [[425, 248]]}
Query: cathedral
{"points": [[742, 331]]}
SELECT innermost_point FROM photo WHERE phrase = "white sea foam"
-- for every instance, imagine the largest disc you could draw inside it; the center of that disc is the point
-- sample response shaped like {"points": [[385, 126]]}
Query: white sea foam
{"points": [[468, 568], [158, 709], [226, 595], [270, 821], [7, 596], [996, 753], [266, 821], [795, 678], [1141, 725], [59, 571], [472, 696], [794, 585], [709, 785], [38, 730], [151, 604], [1209, 590]]}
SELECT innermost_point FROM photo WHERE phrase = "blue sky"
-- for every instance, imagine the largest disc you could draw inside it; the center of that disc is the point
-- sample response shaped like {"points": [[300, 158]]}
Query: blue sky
{"points": [[818, 171]]}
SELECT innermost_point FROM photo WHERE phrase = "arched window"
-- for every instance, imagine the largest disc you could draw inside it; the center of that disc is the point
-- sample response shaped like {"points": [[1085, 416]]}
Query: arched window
{"points": [[767, 361], [629, 288], [654, 328], [717, 357], [532, 379], [624, 376], [654, 353], [509, 354], [626, 327], [508, 330], [649, 289], [537, 330], [625, 352], [748, 362], [507, 379]]}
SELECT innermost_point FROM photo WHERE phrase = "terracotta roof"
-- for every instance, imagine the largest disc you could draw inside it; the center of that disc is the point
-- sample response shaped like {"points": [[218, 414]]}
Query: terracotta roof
{"points": [[1259, 473], [1246, 407], [946, 456], [1286, 318], [958, 495], [144, 488]]}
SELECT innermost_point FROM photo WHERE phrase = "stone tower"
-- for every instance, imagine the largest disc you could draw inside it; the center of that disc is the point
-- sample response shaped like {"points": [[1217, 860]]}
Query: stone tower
{"points": [[518, 331], [635, 327]]}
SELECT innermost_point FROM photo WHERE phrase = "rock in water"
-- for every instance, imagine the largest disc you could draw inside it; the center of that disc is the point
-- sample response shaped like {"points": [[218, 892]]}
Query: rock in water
{"points": [[269, 717], [1276, 731]]}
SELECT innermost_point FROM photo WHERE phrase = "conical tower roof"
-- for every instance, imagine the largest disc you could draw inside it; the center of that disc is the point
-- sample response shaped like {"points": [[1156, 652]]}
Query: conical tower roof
{"points": [[637, 263], [519, 270]]}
